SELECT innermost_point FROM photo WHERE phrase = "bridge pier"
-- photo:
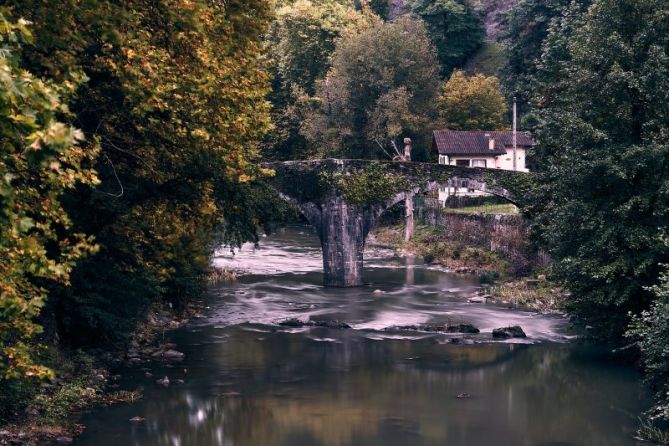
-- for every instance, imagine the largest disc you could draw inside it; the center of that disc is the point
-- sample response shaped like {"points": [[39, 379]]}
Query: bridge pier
{"points": [[343, 229]]}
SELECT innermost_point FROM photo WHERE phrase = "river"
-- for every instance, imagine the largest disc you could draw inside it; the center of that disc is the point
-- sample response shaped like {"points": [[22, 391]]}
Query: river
{"points": [[249, 382]]}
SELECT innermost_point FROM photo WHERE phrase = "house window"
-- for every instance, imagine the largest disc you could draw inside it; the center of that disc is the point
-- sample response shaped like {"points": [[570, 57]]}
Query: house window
{"points": [[462, 163], [443, 159], [478, 163]]}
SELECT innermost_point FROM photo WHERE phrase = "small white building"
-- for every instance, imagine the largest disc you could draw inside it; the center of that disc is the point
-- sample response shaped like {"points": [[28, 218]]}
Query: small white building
{"points": [[487, 149]]}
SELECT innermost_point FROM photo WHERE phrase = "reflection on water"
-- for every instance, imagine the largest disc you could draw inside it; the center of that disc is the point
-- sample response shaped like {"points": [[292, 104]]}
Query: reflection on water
{"points": [[249, 382]]}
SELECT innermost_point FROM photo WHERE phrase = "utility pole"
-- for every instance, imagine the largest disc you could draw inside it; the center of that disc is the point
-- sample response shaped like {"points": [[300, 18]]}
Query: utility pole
{"points": [[515, 135], [408, 203]]}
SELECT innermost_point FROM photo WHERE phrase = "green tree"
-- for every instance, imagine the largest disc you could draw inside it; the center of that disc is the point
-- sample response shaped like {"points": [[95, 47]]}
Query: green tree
{"points": [[303, 39], [604, 144], [454, 27], [40, 159], [383, 83], [301, 43], [176, 98], [529, 25], [472, 103], [380, 8]]}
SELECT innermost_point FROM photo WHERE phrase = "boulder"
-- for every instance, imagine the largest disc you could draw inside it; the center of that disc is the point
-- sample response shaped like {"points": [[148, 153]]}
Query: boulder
{"points": [[432, 327], [477, 300], [404, 327], [439, 328], [173, 355], [508, 332], [293, 322], [332, 324], [462, 328]]}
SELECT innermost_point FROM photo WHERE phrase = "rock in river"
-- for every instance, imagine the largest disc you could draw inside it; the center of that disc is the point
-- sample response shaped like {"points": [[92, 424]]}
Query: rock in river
{"points": [[477, 300], [294, 322], [440, 328], [508, 332], [173, 355], [462, 328], [332, 324]]}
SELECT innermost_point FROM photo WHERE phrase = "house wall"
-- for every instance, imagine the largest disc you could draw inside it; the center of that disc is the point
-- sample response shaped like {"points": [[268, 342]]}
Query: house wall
{"points": [[445, 192], [504, 162]]}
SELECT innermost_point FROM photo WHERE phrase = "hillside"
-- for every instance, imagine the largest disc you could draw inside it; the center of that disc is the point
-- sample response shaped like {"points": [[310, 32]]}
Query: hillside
{"points": [[494, 12]]}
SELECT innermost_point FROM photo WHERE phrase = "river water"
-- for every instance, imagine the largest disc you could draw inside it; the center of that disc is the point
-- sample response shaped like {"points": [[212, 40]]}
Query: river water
{"points": [[249, 382]]}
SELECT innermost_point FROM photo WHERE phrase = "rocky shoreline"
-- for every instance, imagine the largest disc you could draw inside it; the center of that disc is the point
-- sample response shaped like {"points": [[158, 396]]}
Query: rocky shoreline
{"points": [[73, 393]]}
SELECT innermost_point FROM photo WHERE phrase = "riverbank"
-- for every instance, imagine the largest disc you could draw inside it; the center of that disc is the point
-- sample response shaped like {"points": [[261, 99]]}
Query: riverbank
{"points": [[527, 287], [48, 412]]}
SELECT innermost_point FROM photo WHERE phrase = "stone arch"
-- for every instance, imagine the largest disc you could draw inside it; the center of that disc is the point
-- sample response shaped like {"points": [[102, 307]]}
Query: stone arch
{"points": [[451, 182], [343, 226]]}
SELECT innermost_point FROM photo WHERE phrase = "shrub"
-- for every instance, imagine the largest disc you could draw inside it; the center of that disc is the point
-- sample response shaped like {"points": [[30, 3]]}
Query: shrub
{"points": [[651, 330], [488, 277]]}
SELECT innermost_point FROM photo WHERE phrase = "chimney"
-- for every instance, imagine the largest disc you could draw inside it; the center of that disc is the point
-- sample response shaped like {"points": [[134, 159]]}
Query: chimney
{"points": [[407, 149]]}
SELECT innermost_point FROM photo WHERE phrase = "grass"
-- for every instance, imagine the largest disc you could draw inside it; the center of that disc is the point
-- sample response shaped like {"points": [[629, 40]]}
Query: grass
{"points": [[546, 296], [428, 244], [47, 412], [649, 431], [487, 209]]}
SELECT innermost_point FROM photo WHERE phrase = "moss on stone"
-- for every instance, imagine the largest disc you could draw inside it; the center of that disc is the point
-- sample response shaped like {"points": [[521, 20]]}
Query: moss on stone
{"points": [[372, 185]]}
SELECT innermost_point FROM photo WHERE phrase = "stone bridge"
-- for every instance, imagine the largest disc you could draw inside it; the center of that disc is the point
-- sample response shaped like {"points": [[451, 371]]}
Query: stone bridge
{"points": [[343, 199]]}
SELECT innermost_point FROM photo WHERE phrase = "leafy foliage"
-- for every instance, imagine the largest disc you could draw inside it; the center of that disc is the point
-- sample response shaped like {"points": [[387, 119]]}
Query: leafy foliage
{"points": [[380, 8], [455, 28], [651, 329], [602, 89], [301, 43], [366, 186], [383, 83], [472, 103], [40, 159], [176, 98], [529, 24], [304, 35]]}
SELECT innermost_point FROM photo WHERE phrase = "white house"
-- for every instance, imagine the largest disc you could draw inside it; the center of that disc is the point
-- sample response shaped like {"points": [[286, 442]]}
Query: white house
{"points": [[489, 149]]}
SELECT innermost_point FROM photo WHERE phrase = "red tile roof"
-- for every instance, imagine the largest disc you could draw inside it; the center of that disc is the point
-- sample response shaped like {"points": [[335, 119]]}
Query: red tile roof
{"points": [[453, 142]]}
